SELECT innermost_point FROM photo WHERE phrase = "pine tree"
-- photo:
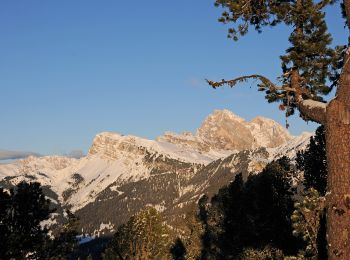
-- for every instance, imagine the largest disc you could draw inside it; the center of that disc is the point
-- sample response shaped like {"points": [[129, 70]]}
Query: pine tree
{"points": [[144, 236], [251, 218], [178, 250], [310, 70], [22, 210], [5, 199], [313, 162], [306, 222]]}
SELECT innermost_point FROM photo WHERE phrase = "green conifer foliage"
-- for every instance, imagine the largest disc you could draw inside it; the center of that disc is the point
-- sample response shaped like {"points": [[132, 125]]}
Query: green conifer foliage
{"points": [[144, 236], [313, 162], [252, 217], [21, 235], [310, 51], [22, 210], [306, 222]]}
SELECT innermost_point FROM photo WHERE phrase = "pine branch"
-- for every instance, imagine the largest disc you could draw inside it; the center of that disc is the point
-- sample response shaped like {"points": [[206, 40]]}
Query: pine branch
{"points": [[265, 82], [309, 108], [324, 3]]}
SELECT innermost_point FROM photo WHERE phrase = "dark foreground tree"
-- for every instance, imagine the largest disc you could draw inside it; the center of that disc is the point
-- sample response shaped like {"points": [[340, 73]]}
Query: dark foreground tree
{"points": [[21, 211], [313, 162], [308, 64], [251, 218], [22, 235], [178, 250]]}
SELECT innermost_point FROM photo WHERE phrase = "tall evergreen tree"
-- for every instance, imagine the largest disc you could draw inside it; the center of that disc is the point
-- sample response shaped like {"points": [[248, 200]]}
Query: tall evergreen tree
{"points": [[252, 215], [22, 236], [5, 199], [144, 236], [308, 65], [307, 222], [313, 162], [22, 210], [178, 250]]}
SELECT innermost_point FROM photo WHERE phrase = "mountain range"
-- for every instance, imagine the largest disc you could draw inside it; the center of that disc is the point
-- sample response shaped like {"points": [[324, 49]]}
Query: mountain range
{"points": [[122, 174]]}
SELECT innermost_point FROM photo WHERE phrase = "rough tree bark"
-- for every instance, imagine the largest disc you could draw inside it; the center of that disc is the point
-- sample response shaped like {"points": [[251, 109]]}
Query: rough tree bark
{"points": [[338, 159], [336, 117]]}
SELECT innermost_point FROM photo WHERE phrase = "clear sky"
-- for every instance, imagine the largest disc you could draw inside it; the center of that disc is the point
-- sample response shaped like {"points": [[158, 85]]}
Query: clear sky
{"points": [[71, 69]]}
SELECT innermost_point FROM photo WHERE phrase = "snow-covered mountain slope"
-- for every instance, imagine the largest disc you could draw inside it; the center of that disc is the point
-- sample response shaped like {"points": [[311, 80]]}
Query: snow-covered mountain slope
{"points": [[291, 147], [122, 174], [112, 159], [112, 146]]}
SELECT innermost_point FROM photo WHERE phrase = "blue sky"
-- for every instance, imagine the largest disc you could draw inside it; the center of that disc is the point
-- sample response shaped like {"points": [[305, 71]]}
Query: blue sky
{"points": [[72, 69]]}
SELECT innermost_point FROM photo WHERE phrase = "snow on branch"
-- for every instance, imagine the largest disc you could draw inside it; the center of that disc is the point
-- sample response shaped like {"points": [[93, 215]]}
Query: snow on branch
{"points": [[314, 110]]}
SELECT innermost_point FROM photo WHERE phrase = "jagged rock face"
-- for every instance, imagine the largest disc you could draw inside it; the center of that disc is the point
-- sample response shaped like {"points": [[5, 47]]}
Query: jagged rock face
{"points": [[268, 133], [225, 130], [185, 140], [109, 145]]}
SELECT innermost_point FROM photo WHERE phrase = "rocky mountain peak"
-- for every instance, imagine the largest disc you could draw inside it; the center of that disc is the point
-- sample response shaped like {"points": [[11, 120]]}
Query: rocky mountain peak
{"points": [[110, 145], [220, 131], [221, 116], [224, 130]]}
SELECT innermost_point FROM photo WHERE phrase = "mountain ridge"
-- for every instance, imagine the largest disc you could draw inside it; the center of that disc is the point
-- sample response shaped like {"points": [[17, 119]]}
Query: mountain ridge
{"points": [[123, 173]]}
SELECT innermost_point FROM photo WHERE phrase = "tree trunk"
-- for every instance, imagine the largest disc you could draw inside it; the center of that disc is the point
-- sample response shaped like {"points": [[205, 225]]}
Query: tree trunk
{"points": [[338, 198]]}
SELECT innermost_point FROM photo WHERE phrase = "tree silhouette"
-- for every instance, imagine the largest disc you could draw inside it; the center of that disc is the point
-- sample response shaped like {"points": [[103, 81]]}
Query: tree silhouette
{"points": [[313, 162], [22, 210], [178, 250], [251, 215]]}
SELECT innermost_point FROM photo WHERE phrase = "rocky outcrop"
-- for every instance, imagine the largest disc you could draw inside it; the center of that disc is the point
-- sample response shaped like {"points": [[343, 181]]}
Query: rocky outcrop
{"points": [[185, 140], [223, 130]]}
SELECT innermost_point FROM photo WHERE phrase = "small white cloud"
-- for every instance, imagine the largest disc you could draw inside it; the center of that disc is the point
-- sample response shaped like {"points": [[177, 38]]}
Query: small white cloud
{"points": [[76, 154], [13, 155]]}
